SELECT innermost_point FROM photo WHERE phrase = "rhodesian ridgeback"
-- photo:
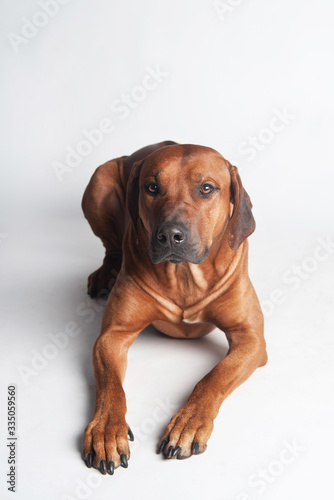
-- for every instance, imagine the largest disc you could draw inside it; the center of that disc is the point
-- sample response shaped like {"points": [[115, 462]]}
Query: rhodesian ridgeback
{"points": [[174, 220]]}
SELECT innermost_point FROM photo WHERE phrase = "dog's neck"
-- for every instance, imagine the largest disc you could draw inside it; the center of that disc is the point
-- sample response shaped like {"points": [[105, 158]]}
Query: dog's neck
{"points": [[184, 282]]}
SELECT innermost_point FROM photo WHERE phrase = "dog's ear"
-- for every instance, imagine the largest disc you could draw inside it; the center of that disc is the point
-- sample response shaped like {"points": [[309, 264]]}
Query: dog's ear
{"points": [[132, 192], [242, 223]]}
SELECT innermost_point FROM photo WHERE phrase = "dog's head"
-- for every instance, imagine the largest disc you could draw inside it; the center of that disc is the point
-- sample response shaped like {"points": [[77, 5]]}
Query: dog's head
{"points": [[186, 197]]}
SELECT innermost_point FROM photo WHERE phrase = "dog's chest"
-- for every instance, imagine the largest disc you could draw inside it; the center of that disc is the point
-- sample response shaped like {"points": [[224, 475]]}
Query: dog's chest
{"points": [[186, 285]]}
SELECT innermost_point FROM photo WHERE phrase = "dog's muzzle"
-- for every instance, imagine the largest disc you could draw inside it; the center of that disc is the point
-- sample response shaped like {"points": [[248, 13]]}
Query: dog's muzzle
{"points": [[172, 242]]}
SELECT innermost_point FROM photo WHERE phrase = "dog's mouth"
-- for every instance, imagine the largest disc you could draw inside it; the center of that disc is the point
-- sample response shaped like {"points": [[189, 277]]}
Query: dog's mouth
{"points": [[174, 259], [193, 258]]}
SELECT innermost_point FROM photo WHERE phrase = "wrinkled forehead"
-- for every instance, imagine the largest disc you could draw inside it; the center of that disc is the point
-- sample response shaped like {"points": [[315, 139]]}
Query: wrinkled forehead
{"points": [[179, 163]]}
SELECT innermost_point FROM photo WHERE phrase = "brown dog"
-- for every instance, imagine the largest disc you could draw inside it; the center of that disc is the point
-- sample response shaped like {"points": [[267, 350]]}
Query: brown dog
{"points": [[181, 252]]}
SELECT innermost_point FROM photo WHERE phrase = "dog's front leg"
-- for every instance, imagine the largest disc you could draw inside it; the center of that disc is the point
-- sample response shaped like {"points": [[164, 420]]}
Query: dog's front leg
{"points": [[128, 311], [189, 430]]}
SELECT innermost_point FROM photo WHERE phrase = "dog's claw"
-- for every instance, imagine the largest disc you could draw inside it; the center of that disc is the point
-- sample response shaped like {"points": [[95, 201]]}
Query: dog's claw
{"points": [[169, 452], [103, 467], [124, 462], [130, 434], [111, 468], [89, 460], [195, 448], [162, 446], [176, 451]]}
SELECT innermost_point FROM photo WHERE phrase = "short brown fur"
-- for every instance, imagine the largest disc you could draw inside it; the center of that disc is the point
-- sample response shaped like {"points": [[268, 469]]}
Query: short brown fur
{"points": [[184, 300]]}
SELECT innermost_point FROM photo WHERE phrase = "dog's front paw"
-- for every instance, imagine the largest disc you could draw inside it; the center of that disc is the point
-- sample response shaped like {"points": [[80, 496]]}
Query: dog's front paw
{"points": [[106, 445], [187, 433]]}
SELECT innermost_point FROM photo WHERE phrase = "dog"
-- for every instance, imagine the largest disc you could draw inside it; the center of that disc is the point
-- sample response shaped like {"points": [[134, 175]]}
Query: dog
{"points": [[174, 220]]}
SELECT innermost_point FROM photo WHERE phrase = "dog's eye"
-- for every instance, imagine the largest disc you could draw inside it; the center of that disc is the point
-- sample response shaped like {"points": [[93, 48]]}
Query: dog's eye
{"points": [[206, 189], [152, 188]]}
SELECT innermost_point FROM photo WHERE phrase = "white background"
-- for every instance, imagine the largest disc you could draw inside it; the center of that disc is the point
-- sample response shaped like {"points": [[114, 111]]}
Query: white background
{"points": [[225, 77]]}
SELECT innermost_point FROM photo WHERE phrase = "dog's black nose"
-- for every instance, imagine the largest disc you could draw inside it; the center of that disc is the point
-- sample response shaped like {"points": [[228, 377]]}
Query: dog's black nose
{"points": [[170, 234]]}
